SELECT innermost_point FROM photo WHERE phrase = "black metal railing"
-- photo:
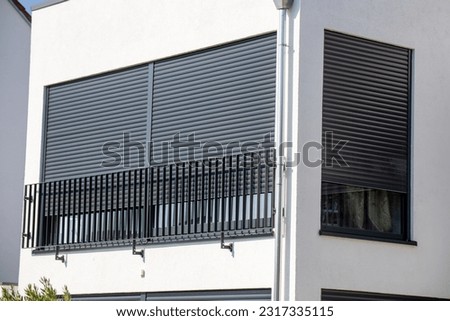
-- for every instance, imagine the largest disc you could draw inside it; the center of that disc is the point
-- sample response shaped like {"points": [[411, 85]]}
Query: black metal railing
{"points": [[198, 199]]}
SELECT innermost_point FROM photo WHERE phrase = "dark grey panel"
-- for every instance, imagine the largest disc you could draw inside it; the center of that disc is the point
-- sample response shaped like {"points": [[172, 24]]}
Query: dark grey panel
{"points": [[217, 295], [225, 94], [366, 102], [108, 297], [85, 114], [344, 295], [213, 295]]}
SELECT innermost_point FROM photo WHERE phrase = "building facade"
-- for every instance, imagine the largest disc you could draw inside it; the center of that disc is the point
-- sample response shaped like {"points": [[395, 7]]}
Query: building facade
{"points": [[199, 149], [15, 35]]}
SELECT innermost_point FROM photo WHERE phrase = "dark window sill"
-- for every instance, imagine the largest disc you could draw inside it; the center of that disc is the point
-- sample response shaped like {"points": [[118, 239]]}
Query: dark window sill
{"points": [[367, 237]]}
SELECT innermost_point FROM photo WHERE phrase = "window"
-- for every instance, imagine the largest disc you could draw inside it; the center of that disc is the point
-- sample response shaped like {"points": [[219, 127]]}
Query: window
{"points": [[366, 98]]}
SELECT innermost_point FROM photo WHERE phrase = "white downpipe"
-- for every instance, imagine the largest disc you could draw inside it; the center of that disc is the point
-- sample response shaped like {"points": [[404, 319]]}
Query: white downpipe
{"points": [[279, 139]]}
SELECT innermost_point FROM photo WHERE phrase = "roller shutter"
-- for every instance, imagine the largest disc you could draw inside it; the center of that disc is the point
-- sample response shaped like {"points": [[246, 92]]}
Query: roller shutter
{"points": [[84, 114], [225, 94], [366, 102]]}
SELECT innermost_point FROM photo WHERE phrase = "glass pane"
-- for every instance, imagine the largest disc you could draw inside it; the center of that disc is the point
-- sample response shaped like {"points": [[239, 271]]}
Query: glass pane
{"points": [[360, 208]]}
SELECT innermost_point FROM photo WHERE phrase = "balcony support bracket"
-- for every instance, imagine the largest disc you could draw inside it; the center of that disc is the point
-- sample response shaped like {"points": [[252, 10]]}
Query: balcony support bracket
{"points": [[223, 245], [58, 257], [136, 252]]}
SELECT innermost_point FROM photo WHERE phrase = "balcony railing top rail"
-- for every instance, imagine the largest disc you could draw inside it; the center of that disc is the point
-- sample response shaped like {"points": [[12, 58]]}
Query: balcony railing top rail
{"points": [[174, 202]]}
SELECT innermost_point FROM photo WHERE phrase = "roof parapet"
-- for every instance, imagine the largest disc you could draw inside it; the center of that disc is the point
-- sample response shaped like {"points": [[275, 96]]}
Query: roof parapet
{"points": [[46, 4]]}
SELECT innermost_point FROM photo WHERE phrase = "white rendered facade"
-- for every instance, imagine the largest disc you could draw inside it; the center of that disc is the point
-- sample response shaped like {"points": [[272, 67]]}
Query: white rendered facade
{"points": [[79, 38], [14, 69]]}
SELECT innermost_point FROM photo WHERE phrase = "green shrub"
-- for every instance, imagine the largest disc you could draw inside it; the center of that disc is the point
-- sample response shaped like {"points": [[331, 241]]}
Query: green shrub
{"points": [[32, 293]]}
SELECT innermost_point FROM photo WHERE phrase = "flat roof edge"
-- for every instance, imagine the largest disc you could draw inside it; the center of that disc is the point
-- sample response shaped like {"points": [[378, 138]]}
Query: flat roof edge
{"points": [[21, 10], [46, 4]]}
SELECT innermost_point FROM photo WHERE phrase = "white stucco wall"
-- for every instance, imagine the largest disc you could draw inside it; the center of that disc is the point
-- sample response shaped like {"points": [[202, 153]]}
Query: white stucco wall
{"points": [[83, 37], [78, 38], [339, 263], [14, 68], [180, 267]]}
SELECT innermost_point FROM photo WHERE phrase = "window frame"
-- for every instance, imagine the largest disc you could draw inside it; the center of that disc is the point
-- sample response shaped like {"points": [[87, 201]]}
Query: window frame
{"points": [[405, 237]]}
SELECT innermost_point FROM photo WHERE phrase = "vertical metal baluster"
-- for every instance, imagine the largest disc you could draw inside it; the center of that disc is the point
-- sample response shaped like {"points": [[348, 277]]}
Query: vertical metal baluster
{"points": [[54, 219], [47, 217], [122, 211], [67, 213], [209, 202], [273, 195], [139, 221], [238, 203], [84, 210], [118, 211], [70, 211], [50, 218], [230, 193], [129, 236], [134, 203], [163, 203], [189, 198], [62, 213], [196, 211], [100, 212], [183, 190], [90, 214], [111, 210], [266, 191], [33, 217], [104, 228], [222, 227], [94, 221], [72, 214], [170, 200], [244, 195], [157, 202], [250, 219], [146, 198], [40, 215], [29, 215], [216, 195], [258, 195], [177, 170], [152, 211], [203, 203], [79, 217], [26, 216], [58, 213]]}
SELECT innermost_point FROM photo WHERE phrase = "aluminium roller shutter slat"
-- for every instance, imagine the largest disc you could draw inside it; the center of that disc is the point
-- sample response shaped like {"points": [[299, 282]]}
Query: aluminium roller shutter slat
{"points": [[221, 86], [224, 94], [100, 109], [365, 102], [92, 82]]}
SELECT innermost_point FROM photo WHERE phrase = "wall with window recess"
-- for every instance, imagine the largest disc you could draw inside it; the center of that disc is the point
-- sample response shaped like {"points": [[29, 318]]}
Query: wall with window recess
{"points": [[81, 38], [363, 265]]}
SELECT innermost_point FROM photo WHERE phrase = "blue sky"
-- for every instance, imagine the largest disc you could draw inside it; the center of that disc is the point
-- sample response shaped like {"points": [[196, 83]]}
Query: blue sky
{"points": [[29, 3]]}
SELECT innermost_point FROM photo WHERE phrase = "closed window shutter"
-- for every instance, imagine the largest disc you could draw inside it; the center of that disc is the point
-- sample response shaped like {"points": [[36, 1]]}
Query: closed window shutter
{"points": [[85, 114], [366, 102], [224, 94]]}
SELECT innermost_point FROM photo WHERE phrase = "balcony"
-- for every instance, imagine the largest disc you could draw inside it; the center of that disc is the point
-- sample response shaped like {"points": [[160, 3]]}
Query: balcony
{"points": [[197, 200]]}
